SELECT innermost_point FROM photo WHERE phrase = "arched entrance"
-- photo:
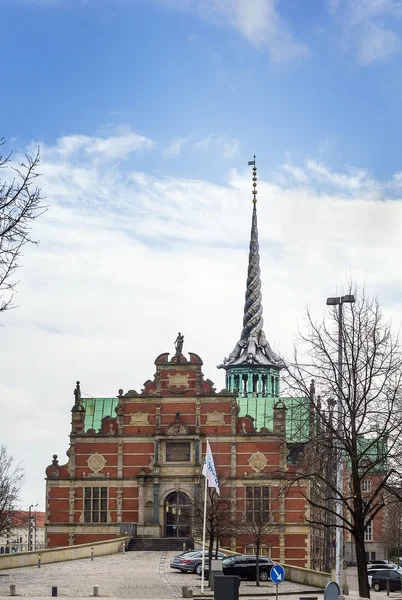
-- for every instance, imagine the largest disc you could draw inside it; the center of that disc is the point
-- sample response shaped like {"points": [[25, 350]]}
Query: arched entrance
{"points": [[177, 515]]}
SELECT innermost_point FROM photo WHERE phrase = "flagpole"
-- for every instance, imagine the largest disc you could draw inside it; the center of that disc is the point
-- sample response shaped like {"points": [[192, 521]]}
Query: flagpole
{"points": [[204, 527]]}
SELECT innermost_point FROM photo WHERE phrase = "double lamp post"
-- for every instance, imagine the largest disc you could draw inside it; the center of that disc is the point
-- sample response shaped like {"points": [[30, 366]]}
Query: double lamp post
{"points": [[339, 554]]}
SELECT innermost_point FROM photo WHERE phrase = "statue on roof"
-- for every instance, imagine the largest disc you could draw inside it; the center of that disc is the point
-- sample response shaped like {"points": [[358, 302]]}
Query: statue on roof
{"points": [[77, 394], [179, 343]]}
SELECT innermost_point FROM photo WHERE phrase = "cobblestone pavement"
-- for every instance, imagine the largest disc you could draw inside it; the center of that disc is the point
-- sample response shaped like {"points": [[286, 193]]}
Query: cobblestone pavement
{"points": [[139, 575]]}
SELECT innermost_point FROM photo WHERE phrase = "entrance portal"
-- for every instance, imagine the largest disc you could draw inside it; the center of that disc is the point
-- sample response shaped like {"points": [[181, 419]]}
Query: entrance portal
{"points": [[177, 515]]}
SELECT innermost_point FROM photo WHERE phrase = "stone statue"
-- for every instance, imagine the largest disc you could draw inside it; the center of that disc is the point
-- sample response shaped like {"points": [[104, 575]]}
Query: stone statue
{"points": [[179, 343], [77, 394]]}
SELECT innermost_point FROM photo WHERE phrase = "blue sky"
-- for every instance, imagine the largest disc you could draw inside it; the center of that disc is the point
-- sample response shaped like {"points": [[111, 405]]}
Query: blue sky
{"points": [[300, 78], [146, 113]]}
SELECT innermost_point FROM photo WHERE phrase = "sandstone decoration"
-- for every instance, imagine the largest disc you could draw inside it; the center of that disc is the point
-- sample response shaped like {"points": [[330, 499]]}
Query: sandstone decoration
{"points": [[258, 461], [96, 462]]}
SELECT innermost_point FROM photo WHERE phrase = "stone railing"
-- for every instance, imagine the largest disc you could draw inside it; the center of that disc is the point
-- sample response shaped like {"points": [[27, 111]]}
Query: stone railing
{"points": [[317, 579], [52, 555]]}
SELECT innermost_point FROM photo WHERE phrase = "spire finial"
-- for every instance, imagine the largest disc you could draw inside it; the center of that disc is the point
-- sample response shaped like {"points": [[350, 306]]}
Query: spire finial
{"points": [[253, 346], [254, 192]]}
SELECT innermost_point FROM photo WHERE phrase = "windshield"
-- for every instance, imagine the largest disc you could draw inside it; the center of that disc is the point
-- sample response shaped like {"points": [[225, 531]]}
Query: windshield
{"points": [[228, 561]]}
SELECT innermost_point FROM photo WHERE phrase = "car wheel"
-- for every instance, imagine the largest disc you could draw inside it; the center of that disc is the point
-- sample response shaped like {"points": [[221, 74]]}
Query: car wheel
{"points": [[263, 576], [198, 569], [376, 586]]}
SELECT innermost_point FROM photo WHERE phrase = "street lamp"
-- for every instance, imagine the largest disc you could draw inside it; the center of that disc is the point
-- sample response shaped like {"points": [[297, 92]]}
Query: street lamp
{"points": [[30, 526], [339, 301]]}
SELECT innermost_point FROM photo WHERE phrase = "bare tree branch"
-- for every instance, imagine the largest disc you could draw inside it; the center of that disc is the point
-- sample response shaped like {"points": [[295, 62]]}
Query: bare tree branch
{"points": [[11, 478], [368, 429], [20, 204]]}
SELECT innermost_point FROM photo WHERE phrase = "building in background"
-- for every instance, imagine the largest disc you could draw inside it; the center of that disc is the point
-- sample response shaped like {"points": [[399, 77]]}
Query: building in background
{"points": [[135, 461], [27, 532]]}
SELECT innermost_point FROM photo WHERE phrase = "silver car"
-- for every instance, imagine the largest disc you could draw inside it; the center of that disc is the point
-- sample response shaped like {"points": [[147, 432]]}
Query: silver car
{"points": [[191, 562]]}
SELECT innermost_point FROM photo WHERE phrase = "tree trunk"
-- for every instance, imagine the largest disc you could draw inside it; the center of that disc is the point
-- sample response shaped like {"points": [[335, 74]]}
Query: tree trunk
{"points": [[257, 564], [210, 551], [364, 589]]}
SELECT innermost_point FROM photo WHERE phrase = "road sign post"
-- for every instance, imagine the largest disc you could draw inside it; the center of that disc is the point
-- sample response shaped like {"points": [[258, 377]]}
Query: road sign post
{"points": [[277, 576]]}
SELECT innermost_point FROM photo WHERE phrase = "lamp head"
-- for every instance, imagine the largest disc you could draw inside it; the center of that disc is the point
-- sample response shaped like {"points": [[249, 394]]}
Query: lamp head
{"points": [[349, 298], [332, 301]]}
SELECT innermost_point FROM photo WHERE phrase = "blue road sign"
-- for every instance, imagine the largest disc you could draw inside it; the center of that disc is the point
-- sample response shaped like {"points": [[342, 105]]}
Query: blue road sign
{"points": [[277, 573]]}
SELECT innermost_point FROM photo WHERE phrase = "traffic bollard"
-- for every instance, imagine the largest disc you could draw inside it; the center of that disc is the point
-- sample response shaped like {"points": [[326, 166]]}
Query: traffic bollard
{"points": [[96, 590], [54, 591], [92, 553], [13, 591], [39, 560]]}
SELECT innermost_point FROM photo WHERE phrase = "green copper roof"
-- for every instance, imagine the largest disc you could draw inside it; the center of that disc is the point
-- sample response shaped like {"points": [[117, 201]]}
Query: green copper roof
{"points": [[262, 411], [260, 408], [372, 451], [97, 409]]}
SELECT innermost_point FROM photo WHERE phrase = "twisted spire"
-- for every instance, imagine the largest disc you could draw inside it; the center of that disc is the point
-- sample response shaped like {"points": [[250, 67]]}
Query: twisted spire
{"points": [[253, 347]]}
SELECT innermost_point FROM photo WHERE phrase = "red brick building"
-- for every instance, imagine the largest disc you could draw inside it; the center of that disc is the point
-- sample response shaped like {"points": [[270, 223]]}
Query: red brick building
{"points": [[135, 461]]}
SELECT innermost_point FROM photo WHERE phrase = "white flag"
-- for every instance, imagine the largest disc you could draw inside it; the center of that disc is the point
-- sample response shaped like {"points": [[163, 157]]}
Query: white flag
{"points": [[209, 470]]}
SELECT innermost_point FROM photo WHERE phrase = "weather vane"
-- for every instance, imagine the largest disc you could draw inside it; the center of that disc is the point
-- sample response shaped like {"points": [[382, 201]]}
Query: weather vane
{"points": [[254, 192]]}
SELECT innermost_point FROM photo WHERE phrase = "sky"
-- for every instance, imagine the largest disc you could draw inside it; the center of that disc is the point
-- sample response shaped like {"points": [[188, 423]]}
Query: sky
{"points": [[146, 113]]}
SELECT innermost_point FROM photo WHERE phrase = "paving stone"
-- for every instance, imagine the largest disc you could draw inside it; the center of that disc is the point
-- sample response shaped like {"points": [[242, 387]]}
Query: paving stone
{"points": [[138, 575]]}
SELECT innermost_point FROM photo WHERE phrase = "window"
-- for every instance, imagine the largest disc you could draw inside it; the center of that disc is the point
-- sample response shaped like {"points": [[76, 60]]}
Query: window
{"points": [[264, 550], [257, 504], [368, 534], [95, 505], [366, 485]]}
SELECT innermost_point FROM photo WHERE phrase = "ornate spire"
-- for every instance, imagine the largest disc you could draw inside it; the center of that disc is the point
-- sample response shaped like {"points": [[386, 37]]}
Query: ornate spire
{"points": [[253, 347]]}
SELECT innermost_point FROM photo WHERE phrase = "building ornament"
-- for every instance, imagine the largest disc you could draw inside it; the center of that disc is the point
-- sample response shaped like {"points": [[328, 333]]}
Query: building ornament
{"points": [[216, 418], [177, 428], [96, 462], [178, 380], [258, 461], [139, 418]]}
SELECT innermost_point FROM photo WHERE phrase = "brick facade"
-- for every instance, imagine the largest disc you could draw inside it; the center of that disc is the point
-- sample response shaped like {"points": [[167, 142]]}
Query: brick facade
{"points": [[124, 473]]}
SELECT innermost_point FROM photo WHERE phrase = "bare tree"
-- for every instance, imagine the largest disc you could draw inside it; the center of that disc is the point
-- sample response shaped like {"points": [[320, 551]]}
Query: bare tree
{"points": [[366, 433], [219, 523], [20, 204], [256, 526], [393, 530], [11, 478]]}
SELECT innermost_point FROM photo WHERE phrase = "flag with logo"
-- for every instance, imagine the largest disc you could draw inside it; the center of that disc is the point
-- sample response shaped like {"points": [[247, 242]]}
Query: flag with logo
{"points": [[209, 470]]}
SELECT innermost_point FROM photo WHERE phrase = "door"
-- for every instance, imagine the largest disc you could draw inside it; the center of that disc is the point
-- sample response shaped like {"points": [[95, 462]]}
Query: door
{"points": [[239, 568], [177, 515], [394, 581]]}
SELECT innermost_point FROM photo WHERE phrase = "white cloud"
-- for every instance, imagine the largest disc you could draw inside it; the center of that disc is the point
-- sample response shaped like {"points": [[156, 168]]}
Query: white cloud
{"points": [[204, 144], [127, 259], [369, 27], [230, 148], [116, 146], [258, 21], [225, 147], [175, 147]]}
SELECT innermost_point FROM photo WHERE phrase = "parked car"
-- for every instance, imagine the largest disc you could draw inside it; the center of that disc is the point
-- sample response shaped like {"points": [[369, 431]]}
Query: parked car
{"points": [[191, 562], [380, 566], [379, 580], [373, 571], [245, 565]]}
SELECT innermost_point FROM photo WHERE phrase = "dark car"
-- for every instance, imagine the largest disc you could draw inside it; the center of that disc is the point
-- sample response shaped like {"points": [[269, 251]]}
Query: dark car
{"points": [[245, 566], [379, 581], [382, 564], [191, 562]]}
